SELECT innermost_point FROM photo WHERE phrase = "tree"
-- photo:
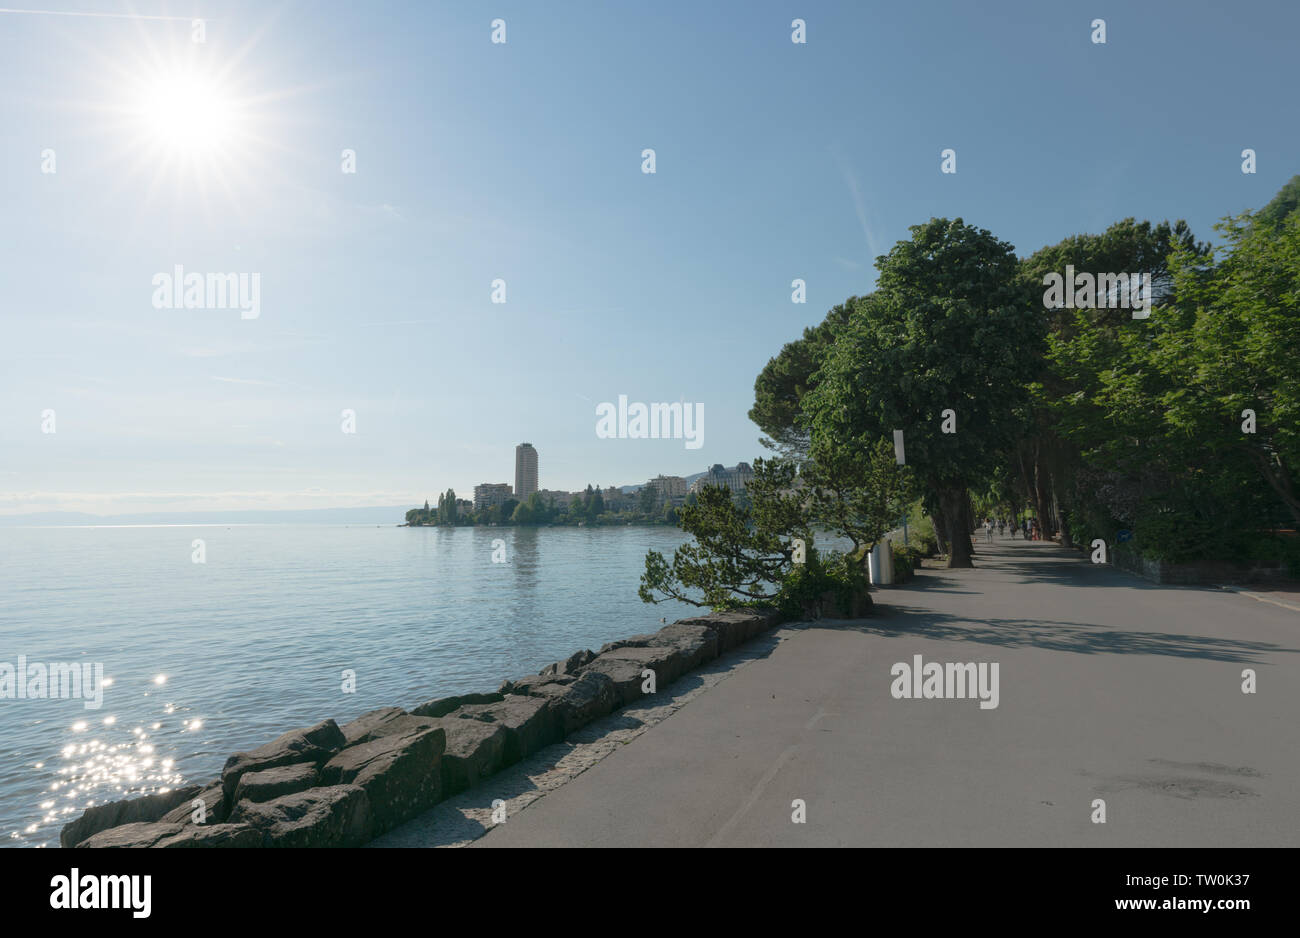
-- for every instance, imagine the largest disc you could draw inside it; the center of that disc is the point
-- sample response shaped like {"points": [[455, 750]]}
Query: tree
{"points": [[1063, 417], [740, 554], [647, 498], [533, 511], [595, 505], [426, 505], [946, 329], [1154, 408], [578, 505], [1237, 350], [447, 507], [1282, 205], [857, 497], [780, 387]]}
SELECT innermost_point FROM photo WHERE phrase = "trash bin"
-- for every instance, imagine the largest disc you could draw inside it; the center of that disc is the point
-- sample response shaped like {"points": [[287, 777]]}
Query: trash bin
{"points": [[881, 564]]}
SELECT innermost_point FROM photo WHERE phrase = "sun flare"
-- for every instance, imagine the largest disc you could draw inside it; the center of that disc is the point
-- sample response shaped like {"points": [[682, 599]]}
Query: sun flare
{"points": [[182, 112]]}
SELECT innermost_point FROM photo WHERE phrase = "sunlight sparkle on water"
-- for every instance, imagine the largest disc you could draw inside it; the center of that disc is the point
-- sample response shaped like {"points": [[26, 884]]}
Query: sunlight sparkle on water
{"points": [[121, 764]]}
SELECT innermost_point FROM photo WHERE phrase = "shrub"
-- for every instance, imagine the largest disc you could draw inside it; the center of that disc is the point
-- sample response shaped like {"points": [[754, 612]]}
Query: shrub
{"points": [[920, 532], [906, 561], [807, 583]]}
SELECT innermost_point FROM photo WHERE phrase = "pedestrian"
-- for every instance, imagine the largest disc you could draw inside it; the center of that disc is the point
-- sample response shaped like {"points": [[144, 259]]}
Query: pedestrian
{"points": [[1002, 526], [988, 530]]}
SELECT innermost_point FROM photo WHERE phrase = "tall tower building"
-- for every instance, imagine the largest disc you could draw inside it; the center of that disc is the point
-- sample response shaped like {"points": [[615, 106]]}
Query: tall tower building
{"points": [[525, 470]]}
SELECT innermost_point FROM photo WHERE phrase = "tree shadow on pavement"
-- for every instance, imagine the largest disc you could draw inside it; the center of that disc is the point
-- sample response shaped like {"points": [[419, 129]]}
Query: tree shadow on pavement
{"points": [[896, 621], [1038, 563]]}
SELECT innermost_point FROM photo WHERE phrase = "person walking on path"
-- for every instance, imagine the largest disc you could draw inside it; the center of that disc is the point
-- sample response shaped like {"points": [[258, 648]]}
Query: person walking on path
{"points": [[988, 530], [1002, 526]]}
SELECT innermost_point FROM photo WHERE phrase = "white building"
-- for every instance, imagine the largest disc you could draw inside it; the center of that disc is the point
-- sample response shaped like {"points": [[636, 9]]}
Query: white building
{"points": [[737, 478]]}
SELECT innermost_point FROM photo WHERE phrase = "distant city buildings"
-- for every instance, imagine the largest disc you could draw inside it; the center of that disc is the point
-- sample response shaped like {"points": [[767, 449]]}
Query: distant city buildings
{"points": [[490, 494], [560, 500], [668, 486], [737, 478], [670, 490], [525, 470]]}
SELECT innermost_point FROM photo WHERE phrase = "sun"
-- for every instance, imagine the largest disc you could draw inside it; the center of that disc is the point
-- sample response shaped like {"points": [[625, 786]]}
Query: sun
{"points": [[182, 112], [190, 128]]}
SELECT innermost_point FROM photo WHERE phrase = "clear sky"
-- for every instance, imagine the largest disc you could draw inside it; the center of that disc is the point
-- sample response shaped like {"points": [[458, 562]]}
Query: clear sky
{"points": [[522, 161]]}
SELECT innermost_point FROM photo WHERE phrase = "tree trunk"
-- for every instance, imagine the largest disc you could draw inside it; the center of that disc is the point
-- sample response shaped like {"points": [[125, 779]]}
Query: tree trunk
{"points": [[1279, 479], [1041, 505], [940, 529], [956, 511], [1066, 540]]}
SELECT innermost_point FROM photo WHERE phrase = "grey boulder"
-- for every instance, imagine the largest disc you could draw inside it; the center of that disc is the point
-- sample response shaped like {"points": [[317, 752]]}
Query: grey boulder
{"points": [[577, 702], [400, 773], [475, 750], [336, 816], [144, 809], [444, 705], [213, 797], [529, 722], [269, 784], [315, 745], [569, 665]]}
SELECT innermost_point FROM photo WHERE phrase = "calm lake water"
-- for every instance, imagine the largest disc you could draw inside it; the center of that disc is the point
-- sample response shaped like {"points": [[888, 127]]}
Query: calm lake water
{"points": [[209, 658]]}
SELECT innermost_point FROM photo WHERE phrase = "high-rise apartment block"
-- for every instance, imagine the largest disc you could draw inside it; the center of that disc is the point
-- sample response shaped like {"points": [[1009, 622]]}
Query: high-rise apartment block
{"points": [[525, 471]]}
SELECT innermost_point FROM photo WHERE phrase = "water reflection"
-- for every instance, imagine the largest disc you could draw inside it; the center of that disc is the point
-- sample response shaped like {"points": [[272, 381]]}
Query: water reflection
{"points": [[108, 766], [526, 560]]}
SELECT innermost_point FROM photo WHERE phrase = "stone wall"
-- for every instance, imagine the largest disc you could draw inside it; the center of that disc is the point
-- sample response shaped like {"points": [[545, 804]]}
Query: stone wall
{"points": [[339, 786]]}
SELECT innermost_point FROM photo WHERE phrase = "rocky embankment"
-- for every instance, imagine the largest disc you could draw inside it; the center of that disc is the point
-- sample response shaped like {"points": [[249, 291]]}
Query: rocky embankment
{"points": [[340, 786]]}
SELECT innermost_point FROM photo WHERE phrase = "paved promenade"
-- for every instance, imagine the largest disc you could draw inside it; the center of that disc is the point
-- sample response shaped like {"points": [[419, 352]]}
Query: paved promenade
{"points": [[1110, 688]]}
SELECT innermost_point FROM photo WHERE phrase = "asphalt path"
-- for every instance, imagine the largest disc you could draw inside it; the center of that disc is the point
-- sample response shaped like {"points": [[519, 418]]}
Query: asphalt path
{"points": [[1110, 689]]}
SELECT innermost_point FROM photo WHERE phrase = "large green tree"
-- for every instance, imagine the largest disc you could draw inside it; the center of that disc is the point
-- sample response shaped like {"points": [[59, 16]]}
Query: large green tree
{"points": [[780, 387], [1065, 418], [947, 329], [1235, 348]]}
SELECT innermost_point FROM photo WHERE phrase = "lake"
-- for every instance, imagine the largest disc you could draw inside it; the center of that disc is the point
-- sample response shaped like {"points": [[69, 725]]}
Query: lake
{"points": [[209, 658]]}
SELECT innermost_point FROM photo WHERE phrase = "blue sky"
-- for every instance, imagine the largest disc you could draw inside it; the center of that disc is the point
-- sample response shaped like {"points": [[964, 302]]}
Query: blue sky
{"points": [[522, 161]]}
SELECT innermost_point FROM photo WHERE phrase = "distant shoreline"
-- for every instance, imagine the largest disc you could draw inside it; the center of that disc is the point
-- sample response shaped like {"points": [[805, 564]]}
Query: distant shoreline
{"points": [[548, 524]]}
